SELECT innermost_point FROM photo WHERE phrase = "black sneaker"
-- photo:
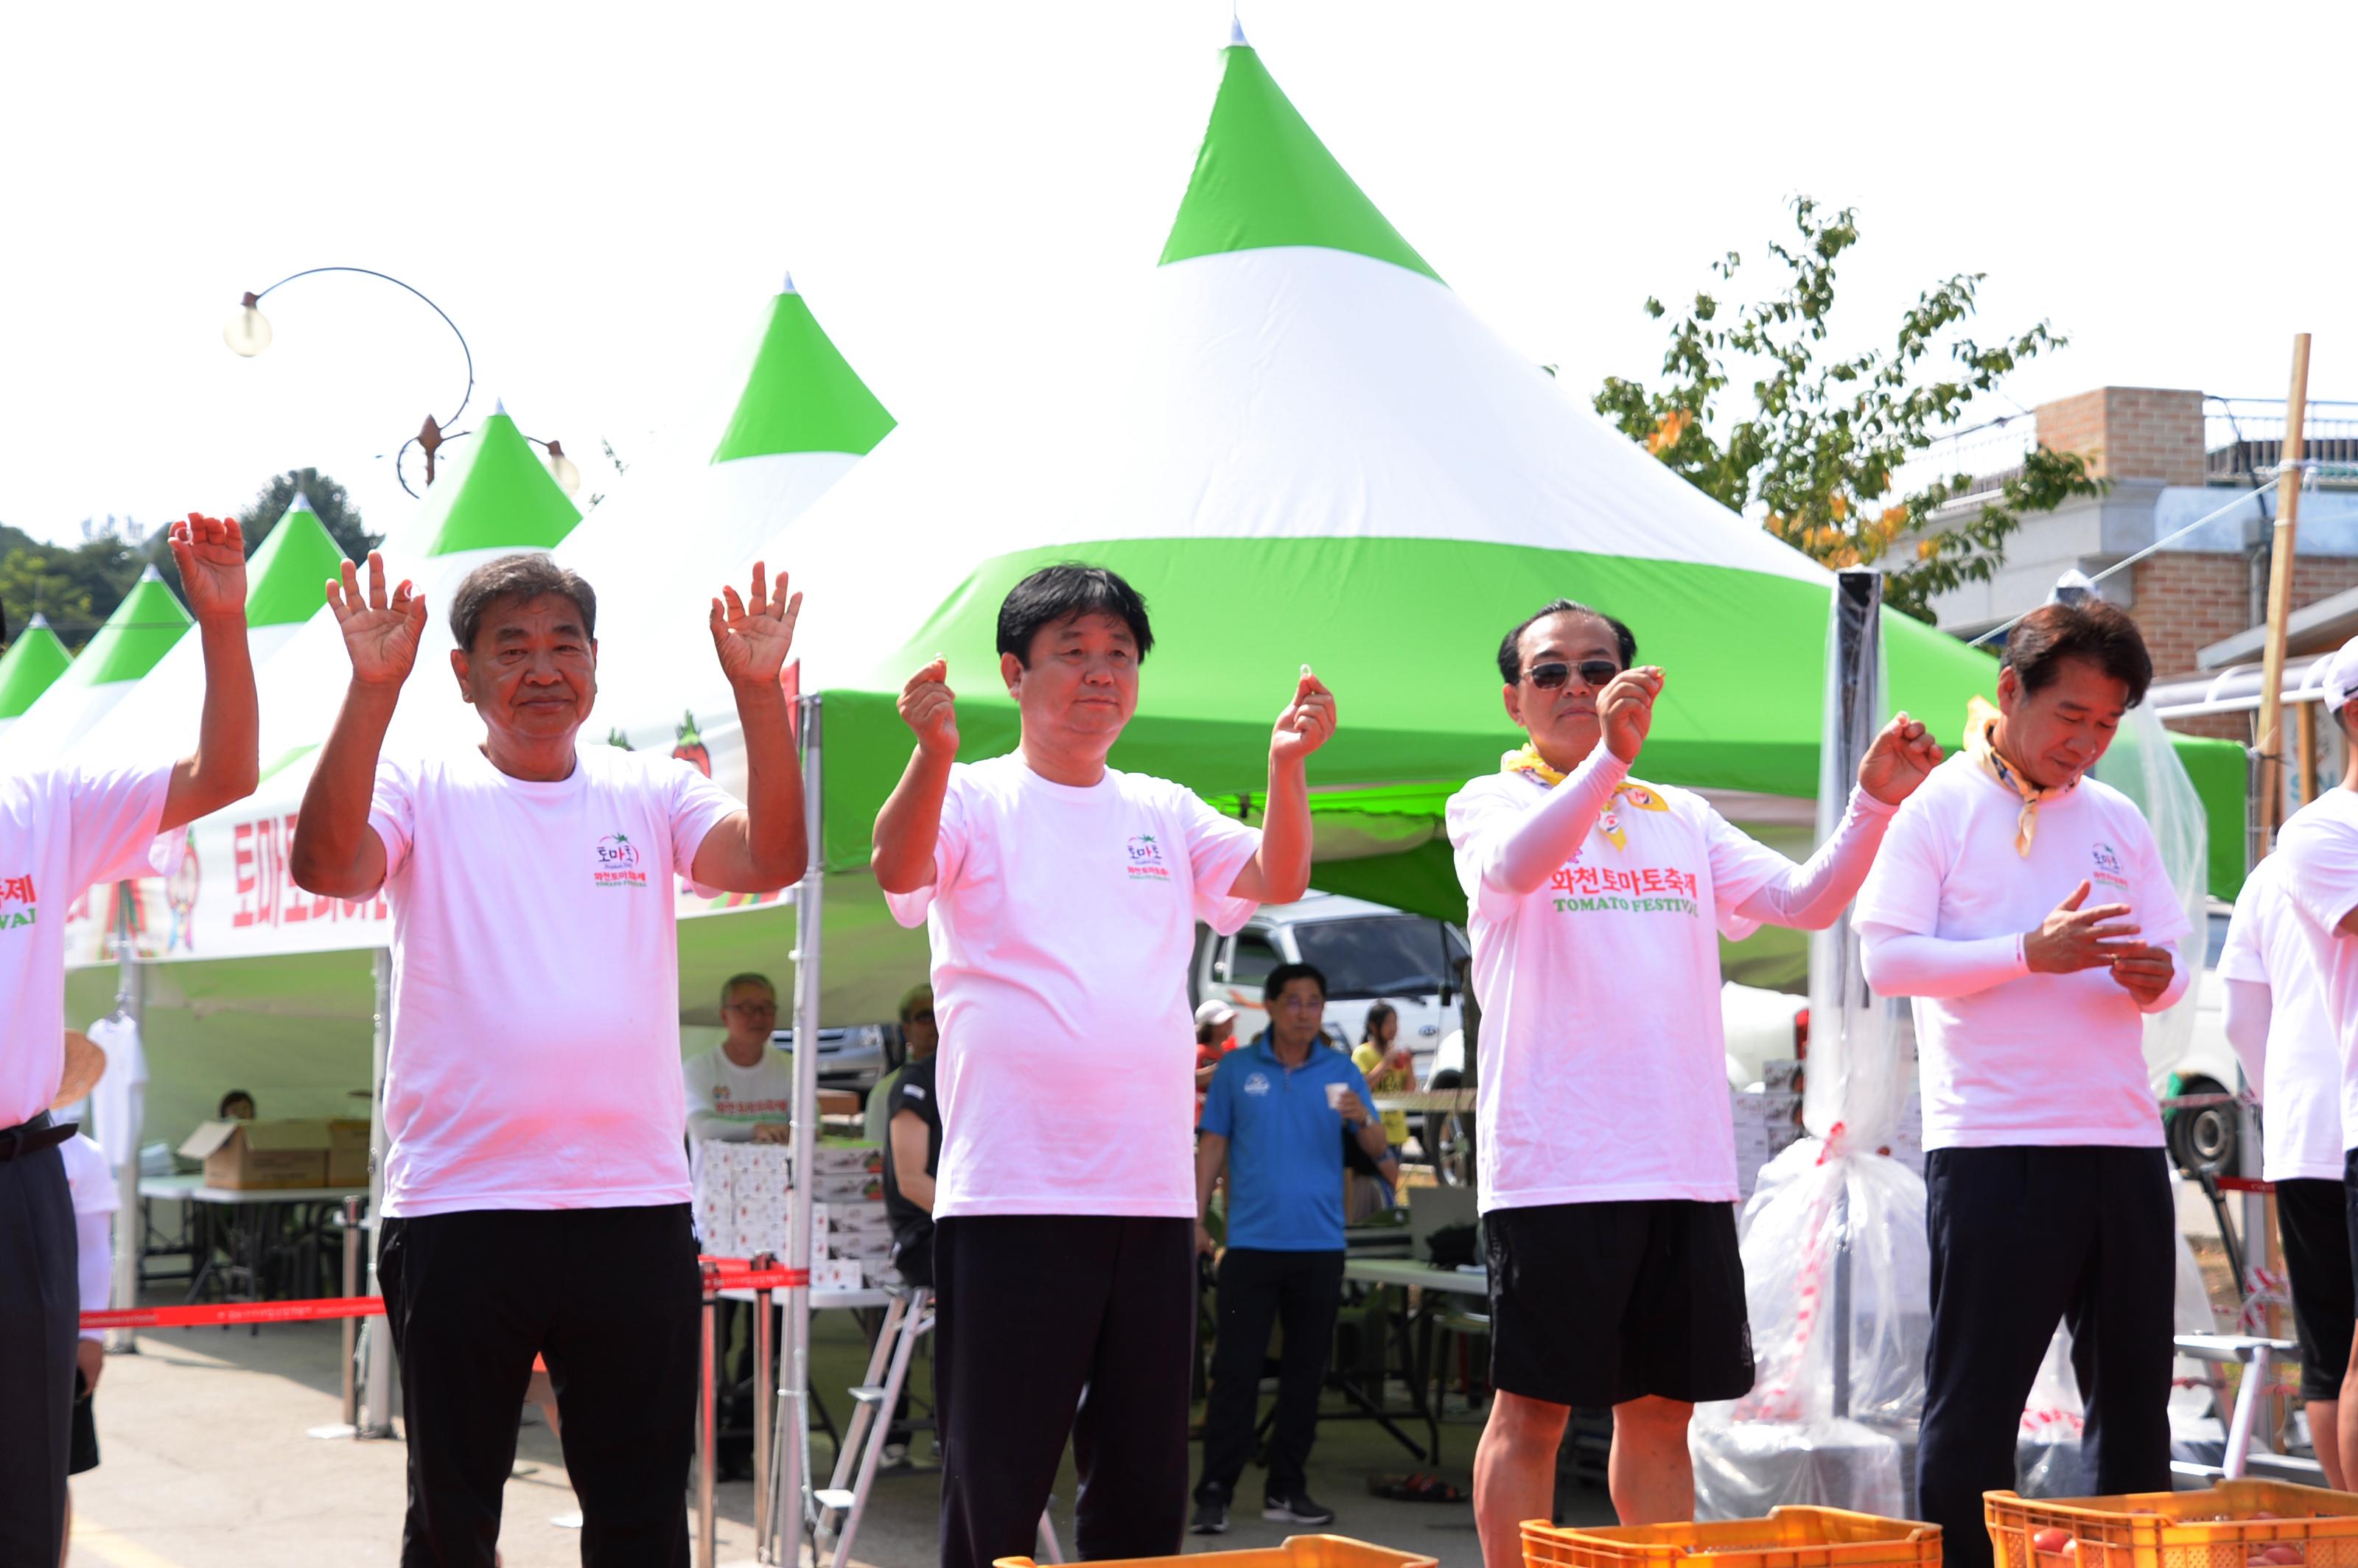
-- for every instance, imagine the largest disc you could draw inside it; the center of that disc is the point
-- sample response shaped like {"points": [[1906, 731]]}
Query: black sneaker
{"points": [[1211, 1517], [1295, 1508]]}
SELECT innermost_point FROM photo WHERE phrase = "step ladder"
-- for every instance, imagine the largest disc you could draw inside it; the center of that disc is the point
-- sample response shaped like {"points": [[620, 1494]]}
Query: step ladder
{"points": [[843, 1502]]}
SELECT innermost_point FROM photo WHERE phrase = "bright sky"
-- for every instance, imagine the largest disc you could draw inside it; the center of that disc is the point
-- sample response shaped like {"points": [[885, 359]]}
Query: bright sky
{"points": [[604, 197]]}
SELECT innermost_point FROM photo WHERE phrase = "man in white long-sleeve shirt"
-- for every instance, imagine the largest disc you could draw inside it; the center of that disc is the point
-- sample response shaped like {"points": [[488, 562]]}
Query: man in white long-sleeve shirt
{"points": [[2317, 856], [1607, 1155], [2284, 1035], [2025, 907]]}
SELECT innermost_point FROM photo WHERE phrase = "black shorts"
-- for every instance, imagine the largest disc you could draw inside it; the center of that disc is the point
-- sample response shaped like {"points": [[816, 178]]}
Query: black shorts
{"points": [[1598, 1303], [2313, 1217]]}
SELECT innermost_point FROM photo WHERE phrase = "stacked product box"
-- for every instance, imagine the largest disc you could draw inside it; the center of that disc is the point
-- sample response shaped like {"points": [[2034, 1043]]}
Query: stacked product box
{"points": [[1768, 1121], [744, 1195]]}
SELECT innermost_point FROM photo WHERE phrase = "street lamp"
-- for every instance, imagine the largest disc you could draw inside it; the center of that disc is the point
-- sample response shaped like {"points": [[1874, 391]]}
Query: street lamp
{"points": [[248, 333]]}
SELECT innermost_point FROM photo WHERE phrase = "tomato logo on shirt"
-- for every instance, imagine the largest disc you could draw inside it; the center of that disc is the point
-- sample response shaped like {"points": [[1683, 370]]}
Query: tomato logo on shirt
{"points": [[1146, 863], [18, 890], [616, 863], [2108, 866]]}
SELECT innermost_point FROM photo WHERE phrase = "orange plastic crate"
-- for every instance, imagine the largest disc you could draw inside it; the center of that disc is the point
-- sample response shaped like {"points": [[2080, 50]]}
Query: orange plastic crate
{"points": [[1789, 1537], [2211, 1528], [1296, 1551]]}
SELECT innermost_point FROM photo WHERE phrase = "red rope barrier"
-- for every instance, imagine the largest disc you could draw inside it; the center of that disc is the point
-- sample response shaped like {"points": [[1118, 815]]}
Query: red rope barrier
{"points": [[728, 1274], [234, 1312]]}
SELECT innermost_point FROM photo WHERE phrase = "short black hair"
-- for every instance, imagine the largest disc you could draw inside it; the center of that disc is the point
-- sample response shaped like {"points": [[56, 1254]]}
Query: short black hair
{"points": [[1285, 975], [1068, 589], [748, 979], [223, 1111], [1510, 651], [529, 574], [2101, 634]]}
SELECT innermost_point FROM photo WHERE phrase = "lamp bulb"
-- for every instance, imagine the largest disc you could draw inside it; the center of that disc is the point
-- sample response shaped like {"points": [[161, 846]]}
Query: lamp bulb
{"points": [[248, 332], [561, 469]]}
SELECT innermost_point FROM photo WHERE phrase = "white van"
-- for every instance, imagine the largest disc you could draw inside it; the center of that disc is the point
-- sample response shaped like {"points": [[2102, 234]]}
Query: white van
{"points": [[1368, 953]]}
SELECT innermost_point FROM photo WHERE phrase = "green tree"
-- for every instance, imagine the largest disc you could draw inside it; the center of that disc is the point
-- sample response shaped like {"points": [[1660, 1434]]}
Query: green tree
{"points": [[76, 587], [1817, 453]]}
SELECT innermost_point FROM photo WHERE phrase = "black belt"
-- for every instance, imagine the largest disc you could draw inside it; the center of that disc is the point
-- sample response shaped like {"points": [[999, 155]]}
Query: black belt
{"points": [[32, 1137]]}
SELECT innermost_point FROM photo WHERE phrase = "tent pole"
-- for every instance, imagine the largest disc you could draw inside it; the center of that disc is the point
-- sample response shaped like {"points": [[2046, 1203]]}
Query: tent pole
{"points": [[377, 1341], [131, 1222], [791, 1430], [2269, 747]]}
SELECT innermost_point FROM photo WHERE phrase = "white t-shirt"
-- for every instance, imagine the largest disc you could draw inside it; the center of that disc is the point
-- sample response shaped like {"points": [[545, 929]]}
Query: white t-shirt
{"points": [[724, 1100], [2318, 847], [120, 1101], [1061, 923], [91, 1185], [535, 981], [2307, 1104], [62, 829], [2047, 1060], [1604, 1061]]}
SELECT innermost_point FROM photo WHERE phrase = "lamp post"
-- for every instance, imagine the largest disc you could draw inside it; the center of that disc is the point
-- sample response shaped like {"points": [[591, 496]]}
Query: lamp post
{"points": [[248, 333]]}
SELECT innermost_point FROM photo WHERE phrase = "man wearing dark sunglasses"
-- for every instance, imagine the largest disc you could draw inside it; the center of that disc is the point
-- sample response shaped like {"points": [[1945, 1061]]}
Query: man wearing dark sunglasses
{"points": [[1607, 1154]]}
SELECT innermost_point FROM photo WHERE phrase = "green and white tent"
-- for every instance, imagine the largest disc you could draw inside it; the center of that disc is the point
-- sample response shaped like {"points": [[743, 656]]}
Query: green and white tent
{"points": [[1305, 446], [133, 642], [660, 547], [283, 582], [30, 667]]}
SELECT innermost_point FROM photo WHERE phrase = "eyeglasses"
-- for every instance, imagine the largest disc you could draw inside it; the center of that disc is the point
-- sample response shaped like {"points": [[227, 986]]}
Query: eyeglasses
{"points": [[752, 1009], [1555, 671], [924, 1017]]}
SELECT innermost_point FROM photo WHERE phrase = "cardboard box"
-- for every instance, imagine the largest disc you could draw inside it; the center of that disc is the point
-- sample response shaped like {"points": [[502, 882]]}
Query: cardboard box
{"points": [[250, 1156], [348, 1152], [850, 1187], [843, 1156], [835, 1274]]}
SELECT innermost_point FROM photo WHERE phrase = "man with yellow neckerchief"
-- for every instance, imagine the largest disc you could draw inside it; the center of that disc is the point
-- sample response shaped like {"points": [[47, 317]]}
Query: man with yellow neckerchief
{"points": [[1608, 1156], [2025, 908]]}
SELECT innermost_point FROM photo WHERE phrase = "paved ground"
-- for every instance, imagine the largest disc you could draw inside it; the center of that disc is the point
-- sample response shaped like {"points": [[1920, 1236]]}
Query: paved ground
{"points": [[206, 1466]]}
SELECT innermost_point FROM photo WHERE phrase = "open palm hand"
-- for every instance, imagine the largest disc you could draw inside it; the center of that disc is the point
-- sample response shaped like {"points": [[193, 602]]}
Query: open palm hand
{"points": [[754, 634], [210, 554], [382, 633]]}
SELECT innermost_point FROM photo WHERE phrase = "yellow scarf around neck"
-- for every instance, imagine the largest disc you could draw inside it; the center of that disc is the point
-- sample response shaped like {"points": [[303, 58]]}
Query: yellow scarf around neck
{"points": [[1630, 792], [1981, 718]]}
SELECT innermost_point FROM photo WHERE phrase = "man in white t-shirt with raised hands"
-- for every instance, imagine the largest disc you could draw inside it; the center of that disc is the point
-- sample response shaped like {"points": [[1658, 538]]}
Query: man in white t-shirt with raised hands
{"points": [[2317, 856], [2024, 906], [1608, 1153], [2283, 1033], [61, 829], [536, 1197], [1062, 896], [743, 1090]]}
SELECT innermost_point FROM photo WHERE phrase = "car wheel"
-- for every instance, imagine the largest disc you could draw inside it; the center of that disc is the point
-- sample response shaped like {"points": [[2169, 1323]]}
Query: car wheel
{"points": [[2203, 1138], [1448, 1136]]}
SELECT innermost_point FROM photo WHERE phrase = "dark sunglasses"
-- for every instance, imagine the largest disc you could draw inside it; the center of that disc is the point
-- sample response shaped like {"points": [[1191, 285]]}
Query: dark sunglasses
{"points": [[1594, 672]]}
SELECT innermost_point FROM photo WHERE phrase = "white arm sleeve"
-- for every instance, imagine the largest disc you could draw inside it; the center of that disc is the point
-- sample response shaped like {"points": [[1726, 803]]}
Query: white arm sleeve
{"points": [[93, 1259], [1810, 897], [1901, 963], [2249, 1005], [1519, 861]]}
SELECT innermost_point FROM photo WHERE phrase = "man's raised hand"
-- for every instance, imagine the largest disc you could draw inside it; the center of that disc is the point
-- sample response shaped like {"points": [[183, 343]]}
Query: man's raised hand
{"points": [[1902, 757], [754, 634], [930, 707], [210, 554], [381, 634], [1307, 722], [2071, 938], [1626, 708]]}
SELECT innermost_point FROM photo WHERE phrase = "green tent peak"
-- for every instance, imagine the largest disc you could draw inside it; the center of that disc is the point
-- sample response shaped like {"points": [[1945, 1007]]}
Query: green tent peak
{"points": [[802, 395], [32, 662], [504, 499], [287, 576], [1263, 179], [136, 637]]}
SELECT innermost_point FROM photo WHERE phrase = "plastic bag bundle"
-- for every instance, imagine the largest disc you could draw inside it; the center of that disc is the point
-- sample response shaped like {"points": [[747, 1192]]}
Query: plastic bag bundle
{"points": [[1836, 1271]]}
